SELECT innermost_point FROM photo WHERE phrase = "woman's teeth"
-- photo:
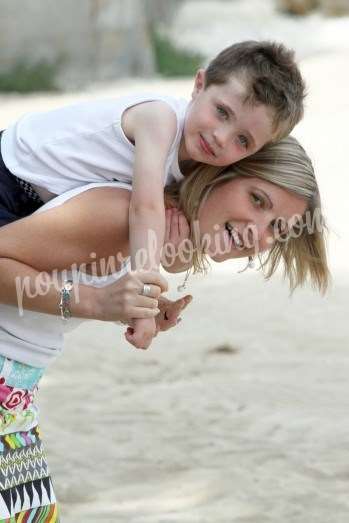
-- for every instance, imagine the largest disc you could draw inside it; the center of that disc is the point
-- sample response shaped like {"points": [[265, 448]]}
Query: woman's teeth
{"points": [[234, 236]]}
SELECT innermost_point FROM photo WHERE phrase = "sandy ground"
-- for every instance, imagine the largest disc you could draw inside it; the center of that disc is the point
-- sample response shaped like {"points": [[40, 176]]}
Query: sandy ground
{"points": [[240, 414]]}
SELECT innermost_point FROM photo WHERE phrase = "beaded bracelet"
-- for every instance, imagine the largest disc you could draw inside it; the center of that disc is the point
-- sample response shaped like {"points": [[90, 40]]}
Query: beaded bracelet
{"points": [[64, 303]]}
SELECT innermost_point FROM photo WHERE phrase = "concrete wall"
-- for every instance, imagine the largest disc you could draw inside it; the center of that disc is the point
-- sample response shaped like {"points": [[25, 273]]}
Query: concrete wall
{"points": [[93, 39], [98, 39], [162, 11]]}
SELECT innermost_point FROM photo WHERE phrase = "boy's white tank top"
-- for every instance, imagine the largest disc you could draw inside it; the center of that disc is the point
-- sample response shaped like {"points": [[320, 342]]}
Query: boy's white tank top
{"points": [[36, 338], [83, 143]]}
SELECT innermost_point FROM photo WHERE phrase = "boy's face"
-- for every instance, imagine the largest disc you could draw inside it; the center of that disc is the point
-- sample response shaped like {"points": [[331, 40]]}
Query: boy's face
{"points": [[220, 128]]}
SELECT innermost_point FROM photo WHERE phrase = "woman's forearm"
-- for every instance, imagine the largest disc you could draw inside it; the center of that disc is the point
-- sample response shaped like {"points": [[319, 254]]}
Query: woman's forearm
{"points": [[122, 300], [26, 288]]}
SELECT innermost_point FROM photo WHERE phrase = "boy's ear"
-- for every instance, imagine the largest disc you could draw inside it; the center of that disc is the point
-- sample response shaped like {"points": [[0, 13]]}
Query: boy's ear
{"points": [[199, 82]]}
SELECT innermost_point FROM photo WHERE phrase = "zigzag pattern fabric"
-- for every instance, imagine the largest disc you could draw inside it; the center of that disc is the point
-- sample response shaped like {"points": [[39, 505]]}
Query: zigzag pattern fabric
{"points": [[25, 482], [26, 491], [48, 514]]}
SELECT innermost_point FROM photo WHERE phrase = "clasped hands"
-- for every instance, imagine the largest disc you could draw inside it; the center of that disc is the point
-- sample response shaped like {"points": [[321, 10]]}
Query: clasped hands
{"points": [[142, 333], [124, 300]]}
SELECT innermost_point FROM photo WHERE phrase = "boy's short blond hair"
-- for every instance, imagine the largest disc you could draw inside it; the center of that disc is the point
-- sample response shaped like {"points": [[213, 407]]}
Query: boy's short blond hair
{"points": [[271, 76]]}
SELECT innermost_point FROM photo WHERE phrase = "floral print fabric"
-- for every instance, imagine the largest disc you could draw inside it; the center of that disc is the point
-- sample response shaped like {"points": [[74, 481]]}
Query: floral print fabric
{"points": [[18, 386], [20, 375], [26, 491]]}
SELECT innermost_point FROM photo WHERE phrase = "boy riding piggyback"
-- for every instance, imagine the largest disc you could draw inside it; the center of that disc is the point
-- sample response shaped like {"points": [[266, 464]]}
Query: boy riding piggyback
{"points": [[249, 95]]}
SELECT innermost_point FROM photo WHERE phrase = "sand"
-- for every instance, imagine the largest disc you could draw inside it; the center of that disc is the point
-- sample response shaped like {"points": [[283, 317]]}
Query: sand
{"points": [[240, 414]]}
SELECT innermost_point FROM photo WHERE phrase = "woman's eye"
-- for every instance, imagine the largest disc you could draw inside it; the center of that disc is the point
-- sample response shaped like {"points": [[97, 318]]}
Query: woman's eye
{"points": [[243, 141], [257, 200], [222, 112]]}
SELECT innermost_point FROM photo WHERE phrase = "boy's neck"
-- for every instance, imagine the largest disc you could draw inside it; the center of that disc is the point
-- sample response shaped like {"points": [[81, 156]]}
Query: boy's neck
{"points": [[187, 166], [182, 151]]}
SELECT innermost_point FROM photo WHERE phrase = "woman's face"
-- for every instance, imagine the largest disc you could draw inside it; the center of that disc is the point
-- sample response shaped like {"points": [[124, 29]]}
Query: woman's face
{"points": [[242, 217]]}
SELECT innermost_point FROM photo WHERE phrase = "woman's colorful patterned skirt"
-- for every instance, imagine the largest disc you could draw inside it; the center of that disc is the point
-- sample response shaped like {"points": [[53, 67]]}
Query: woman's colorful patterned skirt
{"points": [[26, 492]]}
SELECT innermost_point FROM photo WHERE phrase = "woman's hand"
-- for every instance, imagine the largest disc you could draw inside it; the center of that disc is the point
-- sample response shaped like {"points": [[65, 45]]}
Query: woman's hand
{"points": [[124, 301]]}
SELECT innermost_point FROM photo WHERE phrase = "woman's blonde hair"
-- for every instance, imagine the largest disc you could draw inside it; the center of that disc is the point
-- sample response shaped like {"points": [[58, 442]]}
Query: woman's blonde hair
{"points": [[287, 165]]}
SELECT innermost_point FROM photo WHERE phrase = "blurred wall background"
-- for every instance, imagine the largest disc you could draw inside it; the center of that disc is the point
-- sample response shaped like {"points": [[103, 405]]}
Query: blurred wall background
{"points": [[46, 44], [84, 39], [330, 7]]}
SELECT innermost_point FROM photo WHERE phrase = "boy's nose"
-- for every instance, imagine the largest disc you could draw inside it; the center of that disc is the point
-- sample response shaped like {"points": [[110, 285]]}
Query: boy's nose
{"points": [[221, 137]]}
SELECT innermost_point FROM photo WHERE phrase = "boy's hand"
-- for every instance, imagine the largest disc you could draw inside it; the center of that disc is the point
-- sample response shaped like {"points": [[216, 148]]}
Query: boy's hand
{"points": [[177, 227], [177, 230], [168, 317], [141, 334], [170, 311]]}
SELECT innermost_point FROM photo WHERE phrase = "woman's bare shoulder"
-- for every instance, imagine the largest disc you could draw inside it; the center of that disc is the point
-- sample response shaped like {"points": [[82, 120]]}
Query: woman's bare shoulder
{"points": [[104, 194], [95, 220], [100, 206]]}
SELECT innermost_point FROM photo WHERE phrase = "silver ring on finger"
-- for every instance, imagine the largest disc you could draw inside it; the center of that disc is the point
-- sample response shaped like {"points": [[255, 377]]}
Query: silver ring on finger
{"points": [[146, 291]]}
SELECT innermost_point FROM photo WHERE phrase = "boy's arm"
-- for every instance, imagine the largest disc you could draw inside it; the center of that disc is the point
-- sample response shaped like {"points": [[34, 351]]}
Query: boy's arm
{"points": [[152, 126]]}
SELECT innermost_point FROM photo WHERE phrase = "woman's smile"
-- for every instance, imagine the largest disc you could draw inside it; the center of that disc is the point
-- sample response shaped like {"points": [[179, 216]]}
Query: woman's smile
{"points": [[243, 224]]}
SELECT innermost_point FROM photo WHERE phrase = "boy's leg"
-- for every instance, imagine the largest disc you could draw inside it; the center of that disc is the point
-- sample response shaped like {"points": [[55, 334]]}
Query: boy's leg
{"points": [[6, 216], [17, 198]]}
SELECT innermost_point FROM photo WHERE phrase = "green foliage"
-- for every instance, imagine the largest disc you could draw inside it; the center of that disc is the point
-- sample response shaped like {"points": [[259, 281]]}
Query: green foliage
{"points": [[171, 61], [28, 78]]}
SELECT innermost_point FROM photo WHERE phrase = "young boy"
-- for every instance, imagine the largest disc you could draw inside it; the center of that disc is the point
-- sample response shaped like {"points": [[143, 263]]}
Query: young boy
{"points": [[250, 94]]}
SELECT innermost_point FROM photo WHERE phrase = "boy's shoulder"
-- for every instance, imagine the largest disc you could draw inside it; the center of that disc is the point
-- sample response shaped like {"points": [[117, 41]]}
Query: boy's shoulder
{"points": [[177, 103], [151, 118], [161, 114]]}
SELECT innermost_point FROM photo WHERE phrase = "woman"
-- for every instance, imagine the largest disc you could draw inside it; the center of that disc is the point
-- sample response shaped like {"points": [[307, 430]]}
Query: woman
{"points": [[264, 205]]}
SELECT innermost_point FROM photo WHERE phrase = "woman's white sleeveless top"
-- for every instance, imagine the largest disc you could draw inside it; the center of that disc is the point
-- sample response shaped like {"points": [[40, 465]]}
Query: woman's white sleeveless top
{"points": [[36, 338]]}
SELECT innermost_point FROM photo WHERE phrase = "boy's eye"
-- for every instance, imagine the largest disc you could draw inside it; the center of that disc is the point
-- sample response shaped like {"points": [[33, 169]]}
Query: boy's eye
{"points": [[243, 141], [222, 112]]}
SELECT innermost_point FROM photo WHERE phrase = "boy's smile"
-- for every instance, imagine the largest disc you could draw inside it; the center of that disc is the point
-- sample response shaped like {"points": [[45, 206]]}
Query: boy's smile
{"points": [[221, 127]]}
